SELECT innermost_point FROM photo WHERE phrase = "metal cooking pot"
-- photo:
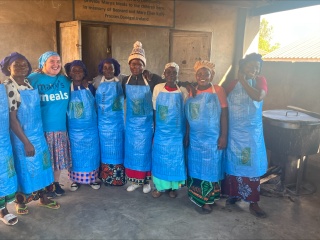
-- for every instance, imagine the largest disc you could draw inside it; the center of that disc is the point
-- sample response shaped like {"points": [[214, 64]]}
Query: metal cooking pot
{"points": [[288, 132]]}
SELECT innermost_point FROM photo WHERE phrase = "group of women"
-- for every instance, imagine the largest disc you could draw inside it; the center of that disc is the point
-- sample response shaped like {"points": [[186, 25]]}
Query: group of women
{"points": [[173, 132]]}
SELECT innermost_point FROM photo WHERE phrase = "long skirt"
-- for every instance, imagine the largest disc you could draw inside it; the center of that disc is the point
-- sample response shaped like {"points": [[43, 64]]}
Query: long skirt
{"points": [[23, 198], [162, 185], [138, 177], [245, 188], [203, 192], [6, 199], [59, 147], [84, 177], [113, 174]]}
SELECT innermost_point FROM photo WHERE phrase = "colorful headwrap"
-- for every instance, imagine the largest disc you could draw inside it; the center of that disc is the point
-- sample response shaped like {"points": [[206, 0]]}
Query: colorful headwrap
{"points": [[68, 67], [44, 57], [204, 64], [138, 53], [171, 64], [112, 61], [7, 61]]}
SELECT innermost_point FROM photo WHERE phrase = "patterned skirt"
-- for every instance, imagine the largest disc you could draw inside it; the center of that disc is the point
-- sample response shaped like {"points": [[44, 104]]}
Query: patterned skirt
{"points": [[84, 177], [138, 177], [248, 189], [59, 147], [203, 192], [7, 199], [22, 198], [113, 174]]}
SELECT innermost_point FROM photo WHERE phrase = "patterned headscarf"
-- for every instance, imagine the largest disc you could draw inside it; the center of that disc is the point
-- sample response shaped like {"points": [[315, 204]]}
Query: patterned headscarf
{"points": [[112, 61], [68, 67], [7, 61], [171, 64], [44, 57], [204, 64]]}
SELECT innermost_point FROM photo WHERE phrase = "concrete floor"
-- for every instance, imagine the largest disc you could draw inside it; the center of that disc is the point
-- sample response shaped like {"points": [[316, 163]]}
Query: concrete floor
{"points": [[113, 213]]}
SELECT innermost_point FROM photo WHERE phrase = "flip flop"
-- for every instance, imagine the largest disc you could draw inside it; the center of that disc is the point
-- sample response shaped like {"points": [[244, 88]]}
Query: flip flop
{"points": [[22, 211], [52, 205], [6, 219]]}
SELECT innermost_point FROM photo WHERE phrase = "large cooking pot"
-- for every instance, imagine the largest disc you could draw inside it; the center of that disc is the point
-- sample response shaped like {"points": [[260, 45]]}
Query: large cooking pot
{"points": [[289, 132]]}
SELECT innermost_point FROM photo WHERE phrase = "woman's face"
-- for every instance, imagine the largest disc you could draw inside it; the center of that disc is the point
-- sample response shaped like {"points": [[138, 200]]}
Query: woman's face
{"points": [[204, 77], [19, 68], [52, 67], [108, 70], [76, 73], [136, 66], [251, 69], [170, 74]]}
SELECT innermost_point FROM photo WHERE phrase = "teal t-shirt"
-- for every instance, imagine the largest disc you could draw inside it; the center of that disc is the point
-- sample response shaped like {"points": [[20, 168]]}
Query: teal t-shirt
{"points": [[54, 98]]}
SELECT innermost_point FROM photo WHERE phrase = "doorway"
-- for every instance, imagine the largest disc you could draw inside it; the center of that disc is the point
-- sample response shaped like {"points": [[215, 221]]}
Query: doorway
{"points": [[88, 42]]}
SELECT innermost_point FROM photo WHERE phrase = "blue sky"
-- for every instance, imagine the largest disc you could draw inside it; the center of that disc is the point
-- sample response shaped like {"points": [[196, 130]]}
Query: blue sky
{"points": [[289, 26]]}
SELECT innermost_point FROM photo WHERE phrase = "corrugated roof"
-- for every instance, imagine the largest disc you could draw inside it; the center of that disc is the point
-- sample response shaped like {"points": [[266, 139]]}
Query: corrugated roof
{"points": [[304, 50]]}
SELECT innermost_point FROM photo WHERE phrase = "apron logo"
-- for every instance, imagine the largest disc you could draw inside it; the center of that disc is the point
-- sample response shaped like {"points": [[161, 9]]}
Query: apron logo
{"points": [[163, 112], [194, 109], [46, 160], [117, 106], [246, 157], [11, 170], [137, 107], [76, 109]]}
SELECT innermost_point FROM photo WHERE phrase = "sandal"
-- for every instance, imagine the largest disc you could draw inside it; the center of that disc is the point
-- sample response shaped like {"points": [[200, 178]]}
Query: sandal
{"points": [[22, 210], [173, 194], [8, 217], [156, 193], [95, 185], [74, 186], [53, 205]]}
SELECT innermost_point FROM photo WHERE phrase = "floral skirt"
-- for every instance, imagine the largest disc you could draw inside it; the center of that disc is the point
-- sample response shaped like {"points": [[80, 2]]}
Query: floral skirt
{"points": [[7, 199], [23, 198], [248, 189], [59, 147], [138, 177], [84, 177], [113, 174], [203, 192]]}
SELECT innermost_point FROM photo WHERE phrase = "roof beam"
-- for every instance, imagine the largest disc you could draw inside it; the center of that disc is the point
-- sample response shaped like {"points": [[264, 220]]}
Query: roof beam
{"points": [[279, 6]]}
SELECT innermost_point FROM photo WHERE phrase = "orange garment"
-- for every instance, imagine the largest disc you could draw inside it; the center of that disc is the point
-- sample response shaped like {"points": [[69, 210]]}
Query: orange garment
{"points": [[219, 91]]}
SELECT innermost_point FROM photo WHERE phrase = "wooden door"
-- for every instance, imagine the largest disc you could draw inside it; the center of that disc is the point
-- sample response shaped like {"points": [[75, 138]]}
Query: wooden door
{"points": [[188, 47], [70, 41]]}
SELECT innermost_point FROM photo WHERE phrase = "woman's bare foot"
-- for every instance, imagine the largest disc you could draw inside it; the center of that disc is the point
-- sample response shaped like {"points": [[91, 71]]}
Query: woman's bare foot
{"points": [[257, 211]]}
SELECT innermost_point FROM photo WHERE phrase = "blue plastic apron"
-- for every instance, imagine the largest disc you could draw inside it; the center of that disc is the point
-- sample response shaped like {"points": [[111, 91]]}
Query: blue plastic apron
{"points": [[139, 127], [246, 152], [168, 151], [109, 99], [83, 131], [8, 176], [34, 173], [204, 159]]}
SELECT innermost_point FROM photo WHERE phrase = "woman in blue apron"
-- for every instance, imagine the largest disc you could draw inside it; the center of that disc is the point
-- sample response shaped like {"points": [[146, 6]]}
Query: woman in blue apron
{"points": [[207, 115], [246, 158], [139, 122], [31, 154], [168, 160], [8, 176], [82, 128], [109, 100]]}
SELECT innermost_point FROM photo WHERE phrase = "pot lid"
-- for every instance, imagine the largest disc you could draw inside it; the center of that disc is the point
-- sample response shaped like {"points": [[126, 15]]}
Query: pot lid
{"points": [[289, 116]]}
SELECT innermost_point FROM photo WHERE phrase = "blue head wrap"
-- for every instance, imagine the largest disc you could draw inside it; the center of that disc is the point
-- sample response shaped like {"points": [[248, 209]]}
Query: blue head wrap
{"points": [[68, 67], [7, 61], [112, 61], [44, 57]]}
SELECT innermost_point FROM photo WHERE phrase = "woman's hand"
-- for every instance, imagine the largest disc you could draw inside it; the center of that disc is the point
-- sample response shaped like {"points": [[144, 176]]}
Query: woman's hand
{"points": [[222, 142], [29, 149]]}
